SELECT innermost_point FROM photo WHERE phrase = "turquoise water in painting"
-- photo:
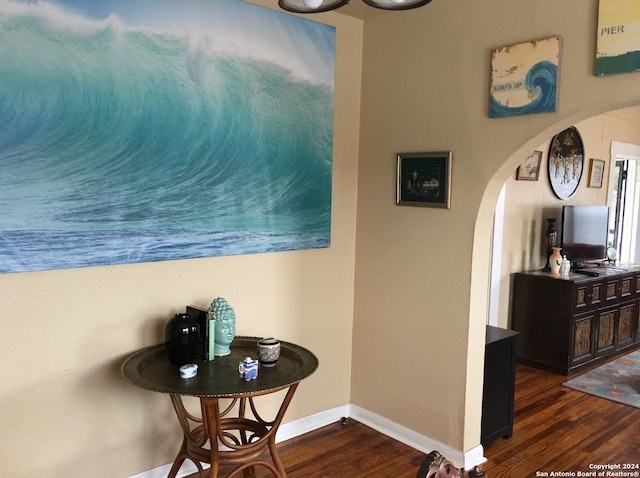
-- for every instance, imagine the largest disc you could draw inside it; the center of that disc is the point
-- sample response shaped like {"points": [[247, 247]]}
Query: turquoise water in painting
{"points": [[126, 144]]}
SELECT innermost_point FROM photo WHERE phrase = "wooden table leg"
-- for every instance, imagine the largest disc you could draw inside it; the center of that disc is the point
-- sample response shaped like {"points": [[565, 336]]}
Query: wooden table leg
{"points": [[256, 435], [190, 437], [224, 440]]}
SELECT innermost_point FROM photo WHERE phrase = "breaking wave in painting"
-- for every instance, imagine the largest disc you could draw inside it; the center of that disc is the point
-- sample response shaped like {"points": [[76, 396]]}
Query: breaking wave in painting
{"points": [[541, 85], [126, 145]]}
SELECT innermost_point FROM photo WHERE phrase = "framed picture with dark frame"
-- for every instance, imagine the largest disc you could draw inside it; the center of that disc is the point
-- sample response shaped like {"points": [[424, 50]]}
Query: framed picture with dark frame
{"points": [[530, 168], [424, 179]]}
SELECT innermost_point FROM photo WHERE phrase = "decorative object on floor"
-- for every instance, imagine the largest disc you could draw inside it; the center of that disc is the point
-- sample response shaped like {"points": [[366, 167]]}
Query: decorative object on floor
{"points": [[596, 173], [618, 44], [524, 78], [436, 465], [618, 380], [317, 6], [224, 318], [555, 261], [181, 333], [268, 351], [566, 157], [424, 179], [530, 168], [200, 160], [551, 235]]}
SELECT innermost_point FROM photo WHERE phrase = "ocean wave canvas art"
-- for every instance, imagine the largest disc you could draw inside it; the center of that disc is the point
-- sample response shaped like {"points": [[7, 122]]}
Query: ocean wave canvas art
{"points": [[133, 131], [524, 78]]}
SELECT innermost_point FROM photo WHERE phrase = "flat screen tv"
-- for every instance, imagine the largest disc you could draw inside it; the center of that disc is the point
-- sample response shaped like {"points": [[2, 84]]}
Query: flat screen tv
{"points": [[585, 230]]}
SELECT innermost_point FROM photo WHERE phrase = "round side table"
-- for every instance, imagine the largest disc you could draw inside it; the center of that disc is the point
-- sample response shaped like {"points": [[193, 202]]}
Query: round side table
{"points": [[228, 435]]}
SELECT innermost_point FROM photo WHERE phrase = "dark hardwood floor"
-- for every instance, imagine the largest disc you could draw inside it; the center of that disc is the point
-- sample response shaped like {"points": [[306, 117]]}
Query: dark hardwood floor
{"points": [[556, 430], [344, 451]]}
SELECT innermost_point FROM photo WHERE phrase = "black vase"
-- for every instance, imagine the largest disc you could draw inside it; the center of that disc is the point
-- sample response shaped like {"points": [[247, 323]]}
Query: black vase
{"points": [[181, 334], [550, 238]]}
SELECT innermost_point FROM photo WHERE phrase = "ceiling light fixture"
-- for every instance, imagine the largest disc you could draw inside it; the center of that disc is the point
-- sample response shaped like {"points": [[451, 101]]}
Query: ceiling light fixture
{"points": [[315, 6]]}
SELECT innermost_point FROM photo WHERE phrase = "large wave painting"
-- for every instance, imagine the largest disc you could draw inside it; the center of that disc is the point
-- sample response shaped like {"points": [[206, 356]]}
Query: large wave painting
{"points": [[524, 78], [138, 132]]}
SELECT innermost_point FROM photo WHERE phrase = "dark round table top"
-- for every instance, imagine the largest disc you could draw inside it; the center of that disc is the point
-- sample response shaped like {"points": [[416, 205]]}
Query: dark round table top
{"points": [[150, 369]]}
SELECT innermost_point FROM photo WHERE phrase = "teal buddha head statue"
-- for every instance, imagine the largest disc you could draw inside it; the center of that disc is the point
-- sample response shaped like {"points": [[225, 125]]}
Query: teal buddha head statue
{"points": [[225, 326]]}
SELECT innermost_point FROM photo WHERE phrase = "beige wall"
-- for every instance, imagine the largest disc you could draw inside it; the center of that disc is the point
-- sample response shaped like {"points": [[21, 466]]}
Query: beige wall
{"points": [[411, 322], [422, 274], [66, 410], [529, 203]]}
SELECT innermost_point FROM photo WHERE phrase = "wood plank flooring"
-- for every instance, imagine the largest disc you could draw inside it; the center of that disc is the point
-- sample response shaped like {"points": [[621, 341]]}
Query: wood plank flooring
{"points": [[344, 451], [556, 430]]}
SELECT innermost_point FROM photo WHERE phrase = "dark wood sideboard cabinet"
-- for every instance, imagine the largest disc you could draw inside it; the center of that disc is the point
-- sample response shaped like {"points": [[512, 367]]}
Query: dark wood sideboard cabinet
{"points": [[569, 323], [499, 384]]}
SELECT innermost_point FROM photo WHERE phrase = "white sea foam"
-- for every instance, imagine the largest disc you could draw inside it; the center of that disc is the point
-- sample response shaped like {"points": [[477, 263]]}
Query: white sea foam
{"points": [[304, 48], [59, 18]]}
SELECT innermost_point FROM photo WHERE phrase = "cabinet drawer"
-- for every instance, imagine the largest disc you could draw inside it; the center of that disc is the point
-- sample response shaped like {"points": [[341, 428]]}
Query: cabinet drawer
{"points": [[619, 288], [588, 295], [628, 286]]}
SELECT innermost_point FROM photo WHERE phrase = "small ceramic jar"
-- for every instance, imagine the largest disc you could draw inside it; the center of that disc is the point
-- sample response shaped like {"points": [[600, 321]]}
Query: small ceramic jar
{"points": [[268, 351], [248, 369]]}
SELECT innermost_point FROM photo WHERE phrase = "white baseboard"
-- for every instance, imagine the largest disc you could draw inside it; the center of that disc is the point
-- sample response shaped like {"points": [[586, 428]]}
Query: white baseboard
{"points": [[467, 460], [310, 423], [404, 435]]}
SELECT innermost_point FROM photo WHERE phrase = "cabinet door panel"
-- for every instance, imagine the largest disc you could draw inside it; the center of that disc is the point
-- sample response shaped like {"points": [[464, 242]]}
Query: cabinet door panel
{"points": [[605, 337], [582, 339], [626, 324]]}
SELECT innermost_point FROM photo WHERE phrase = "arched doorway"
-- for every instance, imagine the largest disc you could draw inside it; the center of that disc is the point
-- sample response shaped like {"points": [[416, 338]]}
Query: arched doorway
{"points": [[481, 264], [523, 205]]}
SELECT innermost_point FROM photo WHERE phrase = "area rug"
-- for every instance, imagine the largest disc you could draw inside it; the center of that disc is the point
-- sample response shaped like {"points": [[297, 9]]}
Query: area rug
{"points": [[618, 380]]}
